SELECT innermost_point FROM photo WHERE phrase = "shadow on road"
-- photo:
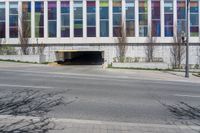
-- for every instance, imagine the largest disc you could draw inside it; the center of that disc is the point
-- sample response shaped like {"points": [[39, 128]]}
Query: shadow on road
{"points": [[185, 114], [30, 103]]}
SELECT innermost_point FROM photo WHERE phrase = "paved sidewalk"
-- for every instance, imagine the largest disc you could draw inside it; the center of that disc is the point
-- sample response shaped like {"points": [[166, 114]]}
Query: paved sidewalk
{"points": [[79, 126], [91, 126]]}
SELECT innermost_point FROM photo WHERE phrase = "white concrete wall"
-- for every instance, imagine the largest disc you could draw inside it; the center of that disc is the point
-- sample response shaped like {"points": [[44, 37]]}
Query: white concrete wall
{"points": [[24, 58], [111, 51], [146, 65]]}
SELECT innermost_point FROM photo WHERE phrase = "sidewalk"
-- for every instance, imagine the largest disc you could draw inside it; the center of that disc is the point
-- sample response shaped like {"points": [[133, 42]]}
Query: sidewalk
{"points": [[91, 126], [81, 126]]}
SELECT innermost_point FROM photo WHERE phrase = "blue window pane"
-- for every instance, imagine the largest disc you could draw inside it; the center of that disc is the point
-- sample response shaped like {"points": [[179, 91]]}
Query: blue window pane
{"points": [[52, 28], [130, 12], [13, 32], [104, 13], [117, 19], [14, 20], [65, 20], [104, 29], [91, 9], [168, 31], [143, 31], [65, 7], [91, 19], [2, 14], [78, 28], [117, 9], [181, 25], [39, 7], [156, 28], [168, 19], [194, 19], [78, 13]]}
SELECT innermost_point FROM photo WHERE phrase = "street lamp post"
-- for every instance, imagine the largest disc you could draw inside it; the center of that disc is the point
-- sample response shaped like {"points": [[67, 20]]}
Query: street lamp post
{"points": [[187, 40]]}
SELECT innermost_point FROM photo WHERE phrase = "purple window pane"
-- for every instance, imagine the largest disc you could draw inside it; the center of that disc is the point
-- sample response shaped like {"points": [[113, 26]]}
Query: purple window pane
{"points": [[65, 32], [51, 4], [117, 32], [168, 19], [130, 28], [64, 3], [91, 3], [2, 29], [52, 10], [78, 32], [194, 29], [14, 32], [91, 31], [155, 9], [41, 32]]}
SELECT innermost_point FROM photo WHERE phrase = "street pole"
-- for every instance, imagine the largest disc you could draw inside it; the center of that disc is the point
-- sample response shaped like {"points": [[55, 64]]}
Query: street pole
{"points": [[187, 40]]}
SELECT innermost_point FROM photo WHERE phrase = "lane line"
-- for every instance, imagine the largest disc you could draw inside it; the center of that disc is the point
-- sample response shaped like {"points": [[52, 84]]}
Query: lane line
{"points": [[192, 96], [10, 118], [24, 86]]}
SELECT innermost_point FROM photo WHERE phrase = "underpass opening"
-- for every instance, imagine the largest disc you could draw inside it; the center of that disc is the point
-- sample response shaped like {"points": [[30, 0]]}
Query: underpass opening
{"points": [[81, 57]]}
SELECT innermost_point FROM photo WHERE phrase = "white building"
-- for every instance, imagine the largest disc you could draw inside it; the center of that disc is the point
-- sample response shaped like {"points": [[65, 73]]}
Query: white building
{"points": [[90, 25]]}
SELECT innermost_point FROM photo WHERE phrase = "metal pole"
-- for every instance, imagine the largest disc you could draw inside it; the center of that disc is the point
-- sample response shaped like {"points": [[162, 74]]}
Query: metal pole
{"points": [[187, 41]]}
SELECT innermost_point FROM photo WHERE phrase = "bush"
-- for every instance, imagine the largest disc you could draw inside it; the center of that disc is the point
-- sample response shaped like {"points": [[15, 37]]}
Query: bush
{"points": [[7, 50]]}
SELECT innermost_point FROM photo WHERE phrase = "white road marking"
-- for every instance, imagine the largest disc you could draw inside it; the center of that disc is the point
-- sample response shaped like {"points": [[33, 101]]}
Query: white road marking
{"points": [[10, 118], [193, 96], [24, 86]]}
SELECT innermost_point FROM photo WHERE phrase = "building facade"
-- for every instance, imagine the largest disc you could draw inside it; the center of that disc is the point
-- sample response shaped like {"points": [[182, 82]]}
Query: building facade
{"points": [[92, 24]]}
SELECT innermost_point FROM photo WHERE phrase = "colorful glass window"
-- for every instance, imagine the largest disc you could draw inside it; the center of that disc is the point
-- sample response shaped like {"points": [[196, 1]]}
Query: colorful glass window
{"points": [[143, 18], [26, 19], [52, 18], [155, 29], [65, 19], [117, 17], [194, 18], [91, 18], [39, 19], [2, 20], [104, 18], [130, 18], [13, 16], [78, 18], [168, 9], [181, 16]]}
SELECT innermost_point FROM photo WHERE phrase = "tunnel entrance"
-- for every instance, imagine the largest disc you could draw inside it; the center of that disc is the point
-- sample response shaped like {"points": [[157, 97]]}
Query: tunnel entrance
{"points": [[81, 57]]}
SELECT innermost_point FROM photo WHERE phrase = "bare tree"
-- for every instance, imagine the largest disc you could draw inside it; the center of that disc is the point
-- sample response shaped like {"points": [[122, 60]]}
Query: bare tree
{"points": [[1, 42], [41, 48], [120, 33], [24, 30], [150, 48], [177, 51], [198, 55]]}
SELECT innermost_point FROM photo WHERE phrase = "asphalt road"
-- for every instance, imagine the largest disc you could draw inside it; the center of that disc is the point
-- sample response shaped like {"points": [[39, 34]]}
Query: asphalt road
{"points": [[101, 95]]}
